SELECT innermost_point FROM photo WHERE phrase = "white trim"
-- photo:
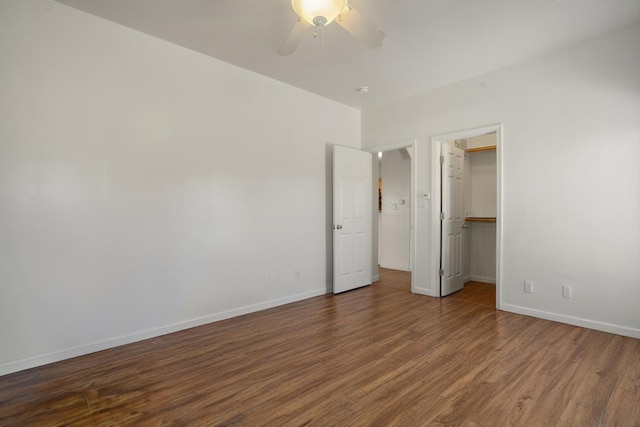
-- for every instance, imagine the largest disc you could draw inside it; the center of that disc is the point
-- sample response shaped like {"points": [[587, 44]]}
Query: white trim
{"points": [[394, 267], [469, 133], [575, 321], [392, 145], [482, 279], [436, 146], [500, 216], [435, 216], [422, 291], [43, 359]]}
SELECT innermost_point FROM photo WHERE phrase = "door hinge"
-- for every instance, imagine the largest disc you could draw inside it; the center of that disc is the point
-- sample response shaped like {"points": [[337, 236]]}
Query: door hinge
{"points": [[442, 272], [442, 160], [441, 216]]}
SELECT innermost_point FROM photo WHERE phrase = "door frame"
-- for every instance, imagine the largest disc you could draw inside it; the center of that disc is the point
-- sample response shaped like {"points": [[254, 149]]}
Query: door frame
{"points": [[412, 249], [436, 146]]}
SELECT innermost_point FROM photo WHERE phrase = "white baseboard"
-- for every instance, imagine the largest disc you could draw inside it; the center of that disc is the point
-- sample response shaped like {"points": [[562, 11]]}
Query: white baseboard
{"points": [[576, 321], [422, 291], [394, 267], [44, 359], [375, 278], [482, 279]]}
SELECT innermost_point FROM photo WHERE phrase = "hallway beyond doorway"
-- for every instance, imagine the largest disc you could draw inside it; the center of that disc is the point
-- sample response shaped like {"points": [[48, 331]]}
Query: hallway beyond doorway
{"points": [[396, 279]]}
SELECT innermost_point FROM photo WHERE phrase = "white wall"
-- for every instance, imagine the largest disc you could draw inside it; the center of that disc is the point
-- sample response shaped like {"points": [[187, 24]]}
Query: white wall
{"points": [[481, 238], [571, 176], [395, 218], [482, 170], [145, 188]]}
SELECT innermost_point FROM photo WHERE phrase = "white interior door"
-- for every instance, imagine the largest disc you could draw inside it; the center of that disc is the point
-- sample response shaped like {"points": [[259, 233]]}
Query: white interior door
{"points": [[451, 274], [352, 216]]}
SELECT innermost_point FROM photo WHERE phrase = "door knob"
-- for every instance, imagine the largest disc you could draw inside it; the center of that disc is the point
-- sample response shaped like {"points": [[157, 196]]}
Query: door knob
{"points": [[339, 227], [464, 225]]}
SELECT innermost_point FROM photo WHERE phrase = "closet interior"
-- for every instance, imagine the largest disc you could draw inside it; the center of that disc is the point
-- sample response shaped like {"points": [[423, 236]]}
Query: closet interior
{"points": [[480, 205]]}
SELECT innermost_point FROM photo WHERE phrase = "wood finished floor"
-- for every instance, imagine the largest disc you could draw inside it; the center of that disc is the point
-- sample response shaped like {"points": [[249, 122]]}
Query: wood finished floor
{"points": [[479, 293], [395, 279], [370, 357], [473, 292]]}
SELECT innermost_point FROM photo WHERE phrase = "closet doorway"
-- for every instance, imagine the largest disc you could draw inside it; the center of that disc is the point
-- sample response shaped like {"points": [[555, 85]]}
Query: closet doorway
{"points": [[467, 246]]}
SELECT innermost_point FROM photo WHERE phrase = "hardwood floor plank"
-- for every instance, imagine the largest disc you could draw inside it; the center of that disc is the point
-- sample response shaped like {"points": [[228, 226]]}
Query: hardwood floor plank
{"points": [[477, 293], [372, 356], [396, 279], [625, 393]]}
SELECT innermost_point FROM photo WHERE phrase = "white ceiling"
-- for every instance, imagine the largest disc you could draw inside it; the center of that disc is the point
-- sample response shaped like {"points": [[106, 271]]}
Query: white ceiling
{"points": [[430, 43]]}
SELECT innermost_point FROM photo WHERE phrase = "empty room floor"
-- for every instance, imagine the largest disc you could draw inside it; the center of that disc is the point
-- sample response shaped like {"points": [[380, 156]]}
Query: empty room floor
{"points": [[372, 356]]}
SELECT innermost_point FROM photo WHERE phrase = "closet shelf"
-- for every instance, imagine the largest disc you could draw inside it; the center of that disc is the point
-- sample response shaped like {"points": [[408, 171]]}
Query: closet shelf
{"points": [[480, 219], [475, 150]]}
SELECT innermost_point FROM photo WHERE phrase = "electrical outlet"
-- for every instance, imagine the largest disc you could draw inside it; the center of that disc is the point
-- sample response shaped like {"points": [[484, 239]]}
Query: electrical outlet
{"points": [[271, 277], [566, 291], [296, 274], [528, 286]]}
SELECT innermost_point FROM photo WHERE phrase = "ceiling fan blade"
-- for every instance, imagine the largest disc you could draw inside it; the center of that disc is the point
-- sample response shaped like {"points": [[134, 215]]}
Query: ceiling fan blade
{"points": [[295, 36], [365, 31]]}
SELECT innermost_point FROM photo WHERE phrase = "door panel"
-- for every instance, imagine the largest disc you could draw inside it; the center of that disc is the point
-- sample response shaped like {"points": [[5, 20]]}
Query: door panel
{"points": [[452, 279], [352, 216]]}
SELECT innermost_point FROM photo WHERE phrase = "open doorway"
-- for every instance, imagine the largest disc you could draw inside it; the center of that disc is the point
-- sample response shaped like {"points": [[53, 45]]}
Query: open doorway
{"points": [[393, 174], [467, 210]]}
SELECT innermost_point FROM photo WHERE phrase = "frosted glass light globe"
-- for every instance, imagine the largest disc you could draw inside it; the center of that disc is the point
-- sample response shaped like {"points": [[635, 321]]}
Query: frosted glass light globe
{"points": [[319, 12]]}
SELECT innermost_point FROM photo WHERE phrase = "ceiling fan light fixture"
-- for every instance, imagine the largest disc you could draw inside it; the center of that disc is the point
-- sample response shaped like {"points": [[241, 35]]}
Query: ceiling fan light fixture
{"points": [[319, 12]]}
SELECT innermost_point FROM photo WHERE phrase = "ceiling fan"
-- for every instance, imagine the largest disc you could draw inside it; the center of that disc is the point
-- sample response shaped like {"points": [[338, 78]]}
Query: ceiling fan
{"points": [[319, 13]]}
